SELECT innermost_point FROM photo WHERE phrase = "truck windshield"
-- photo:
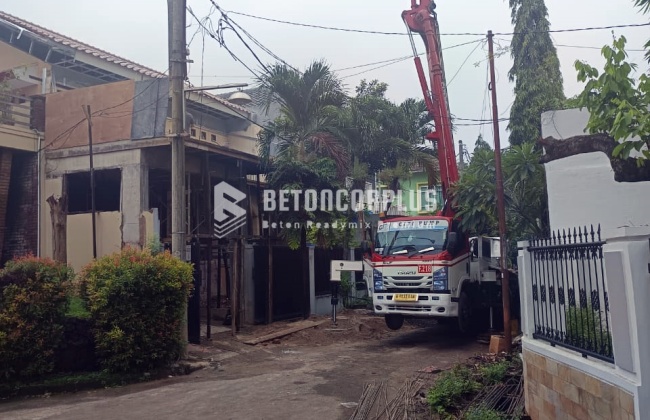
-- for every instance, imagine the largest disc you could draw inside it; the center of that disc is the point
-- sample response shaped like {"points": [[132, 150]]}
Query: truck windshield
{"points": [[411, 242]]}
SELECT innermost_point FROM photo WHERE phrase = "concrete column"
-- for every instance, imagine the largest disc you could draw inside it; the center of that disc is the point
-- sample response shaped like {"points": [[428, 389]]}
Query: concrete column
{"points": [[312, 281], [525, 290], [134, 199], [5, 179], [248, 285]]}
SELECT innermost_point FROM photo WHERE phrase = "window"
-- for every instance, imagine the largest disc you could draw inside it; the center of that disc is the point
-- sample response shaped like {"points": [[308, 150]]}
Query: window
{"points": [[107, 191], [213, 138]]}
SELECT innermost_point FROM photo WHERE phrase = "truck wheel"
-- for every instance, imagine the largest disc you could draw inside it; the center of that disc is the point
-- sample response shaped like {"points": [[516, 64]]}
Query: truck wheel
{"points": [[465, 313], [394, 322]]}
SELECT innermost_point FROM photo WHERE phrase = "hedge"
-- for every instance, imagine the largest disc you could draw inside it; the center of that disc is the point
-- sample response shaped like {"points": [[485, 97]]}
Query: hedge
{"points": [[33, 303], [136, 301]]}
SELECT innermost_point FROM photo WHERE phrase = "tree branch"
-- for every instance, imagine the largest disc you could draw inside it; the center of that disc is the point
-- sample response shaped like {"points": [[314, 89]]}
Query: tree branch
{"points": [[625, 170]]}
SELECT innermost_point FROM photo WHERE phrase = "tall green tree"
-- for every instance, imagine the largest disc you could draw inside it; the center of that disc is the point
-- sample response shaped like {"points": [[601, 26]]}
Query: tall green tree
{"points": [[535, 71], [386, 138], [304, 149], [524, 191]]}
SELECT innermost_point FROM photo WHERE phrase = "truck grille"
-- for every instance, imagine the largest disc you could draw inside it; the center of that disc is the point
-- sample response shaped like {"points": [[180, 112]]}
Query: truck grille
{"points": [[408, 290], [414, 308]]}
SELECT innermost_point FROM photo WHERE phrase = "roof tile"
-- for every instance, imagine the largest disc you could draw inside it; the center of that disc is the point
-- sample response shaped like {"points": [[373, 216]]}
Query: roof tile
{"points": [[105, 55]]}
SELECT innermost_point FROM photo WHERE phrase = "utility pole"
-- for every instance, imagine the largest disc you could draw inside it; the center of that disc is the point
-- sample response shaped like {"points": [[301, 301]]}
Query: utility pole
{"points": [[86, 110], [177, 75], [461, 152], [505, 274]]}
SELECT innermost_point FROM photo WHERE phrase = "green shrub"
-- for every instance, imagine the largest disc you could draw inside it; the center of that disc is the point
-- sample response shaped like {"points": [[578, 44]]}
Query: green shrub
{"points": [[449, 389], [33, 303], [584, 328], [494, 372], [136, 301]]}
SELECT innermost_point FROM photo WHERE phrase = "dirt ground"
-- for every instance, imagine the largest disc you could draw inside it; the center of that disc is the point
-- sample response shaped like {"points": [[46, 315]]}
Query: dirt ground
{"points": [[318, 373]]}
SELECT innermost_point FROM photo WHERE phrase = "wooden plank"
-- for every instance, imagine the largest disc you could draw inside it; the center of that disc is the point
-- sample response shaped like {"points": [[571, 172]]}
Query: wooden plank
{"points": [[298, 326]]}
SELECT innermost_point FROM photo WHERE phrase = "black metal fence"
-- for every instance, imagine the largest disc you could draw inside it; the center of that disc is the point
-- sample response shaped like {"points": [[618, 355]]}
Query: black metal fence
{"points": [[570, 306]]}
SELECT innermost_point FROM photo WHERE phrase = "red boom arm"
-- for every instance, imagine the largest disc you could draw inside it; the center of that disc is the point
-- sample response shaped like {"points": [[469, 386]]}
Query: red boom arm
{"points": [[422, 19]]}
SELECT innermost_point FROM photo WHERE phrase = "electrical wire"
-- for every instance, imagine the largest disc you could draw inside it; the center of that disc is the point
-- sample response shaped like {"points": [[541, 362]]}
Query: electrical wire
{"points": [[399, 60], [332, 28], [219, 38], [463, 64]]}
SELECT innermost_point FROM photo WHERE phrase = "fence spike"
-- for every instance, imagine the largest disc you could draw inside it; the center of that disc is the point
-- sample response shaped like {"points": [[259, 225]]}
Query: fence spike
{"points": [[553, 240], [592, 234], [599, 232], [575, 235], [564, 237]]}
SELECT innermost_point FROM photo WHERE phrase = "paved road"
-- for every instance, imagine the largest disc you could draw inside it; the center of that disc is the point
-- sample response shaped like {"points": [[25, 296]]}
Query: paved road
{"points": [[274, 382]]}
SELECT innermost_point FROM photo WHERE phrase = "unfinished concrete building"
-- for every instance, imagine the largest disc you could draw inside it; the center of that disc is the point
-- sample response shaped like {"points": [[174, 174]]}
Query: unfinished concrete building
{"points": [[48, 80]]}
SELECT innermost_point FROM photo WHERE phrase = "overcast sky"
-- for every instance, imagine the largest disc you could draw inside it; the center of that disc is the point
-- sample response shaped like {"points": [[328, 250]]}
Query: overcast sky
{"points": [[137, 30]]}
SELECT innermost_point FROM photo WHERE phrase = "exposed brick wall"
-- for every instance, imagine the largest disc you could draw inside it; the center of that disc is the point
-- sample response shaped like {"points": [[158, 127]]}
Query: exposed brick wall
{"points": [[554, 390], [22, 211], [5, 179]]}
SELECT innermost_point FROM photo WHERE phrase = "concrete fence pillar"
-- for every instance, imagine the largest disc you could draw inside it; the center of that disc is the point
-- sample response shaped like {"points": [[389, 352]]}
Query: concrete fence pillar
{"points": [[525, 289], [627, 259]]}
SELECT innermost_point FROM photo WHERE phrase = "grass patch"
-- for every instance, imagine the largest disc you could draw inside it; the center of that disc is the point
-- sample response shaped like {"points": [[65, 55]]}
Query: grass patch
{"points": [[480, 413], [448, 391], [77, 308], [452, 395], [495, 372]]}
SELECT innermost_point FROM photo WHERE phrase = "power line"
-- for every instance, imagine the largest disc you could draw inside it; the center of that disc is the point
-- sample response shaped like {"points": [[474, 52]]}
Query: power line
{"points": [[219, 38], [463, 64], [378, 67], [399, 60], [333, 28]]}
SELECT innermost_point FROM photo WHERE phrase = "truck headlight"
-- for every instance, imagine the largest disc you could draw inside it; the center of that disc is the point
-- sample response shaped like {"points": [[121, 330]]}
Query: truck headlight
{"points": [[378, 280], [440, 279]]}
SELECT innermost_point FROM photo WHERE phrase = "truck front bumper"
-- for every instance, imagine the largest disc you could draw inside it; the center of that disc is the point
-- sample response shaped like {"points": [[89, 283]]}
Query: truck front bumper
{"points": [[427, 305]]}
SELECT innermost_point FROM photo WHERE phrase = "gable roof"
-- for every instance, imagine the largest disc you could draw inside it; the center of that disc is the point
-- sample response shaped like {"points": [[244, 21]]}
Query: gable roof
{"points": [[99, 53]]}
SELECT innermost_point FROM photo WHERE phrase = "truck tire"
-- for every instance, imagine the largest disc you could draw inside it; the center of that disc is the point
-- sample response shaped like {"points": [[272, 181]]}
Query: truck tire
{"points": [[394, 322], [465, 314]]}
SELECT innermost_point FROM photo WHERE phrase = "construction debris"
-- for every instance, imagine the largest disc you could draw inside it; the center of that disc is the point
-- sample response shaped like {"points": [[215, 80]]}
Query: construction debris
{"points": [[410, 400], [298, 326]]}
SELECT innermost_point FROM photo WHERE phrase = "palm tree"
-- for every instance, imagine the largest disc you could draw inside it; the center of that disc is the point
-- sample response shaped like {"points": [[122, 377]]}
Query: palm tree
{"points": [[386, 138], [303, 149]]}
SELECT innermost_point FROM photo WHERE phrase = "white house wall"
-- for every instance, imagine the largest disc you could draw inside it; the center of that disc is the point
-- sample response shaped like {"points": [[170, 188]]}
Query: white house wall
{"points": [[581, 188]]}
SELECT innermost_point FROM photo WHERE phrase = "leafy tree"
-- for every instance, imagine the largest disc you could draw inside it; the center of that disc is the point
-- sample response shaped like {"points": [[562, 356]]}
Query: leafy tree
{"points": [[619, 106], [535, 71], [524, 191]]}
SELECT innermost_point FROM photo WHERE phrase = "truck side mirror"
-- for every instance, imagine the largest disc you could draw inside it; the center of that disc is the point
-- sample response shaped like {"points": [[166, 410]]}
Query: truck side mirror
{"points": [[453, 242]]}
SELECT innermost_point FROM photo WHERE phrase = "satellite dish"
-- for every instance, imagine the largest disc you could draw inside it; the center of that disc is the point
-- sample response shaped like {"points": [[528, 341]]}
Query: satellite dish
{"points": [[240, 98]]}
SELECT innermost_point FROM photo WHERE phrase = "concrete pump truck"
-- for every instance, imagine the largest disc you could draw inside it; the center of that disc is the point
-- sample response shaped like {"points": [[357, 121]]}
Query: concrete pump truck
{"points": [[426, 266]]}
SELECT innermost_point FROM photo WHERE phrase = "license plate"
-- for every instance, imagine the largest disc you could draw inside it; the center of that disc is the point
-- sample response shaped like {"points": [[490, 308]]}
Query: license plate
{"points": [[424, 269], [403, 297]]}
